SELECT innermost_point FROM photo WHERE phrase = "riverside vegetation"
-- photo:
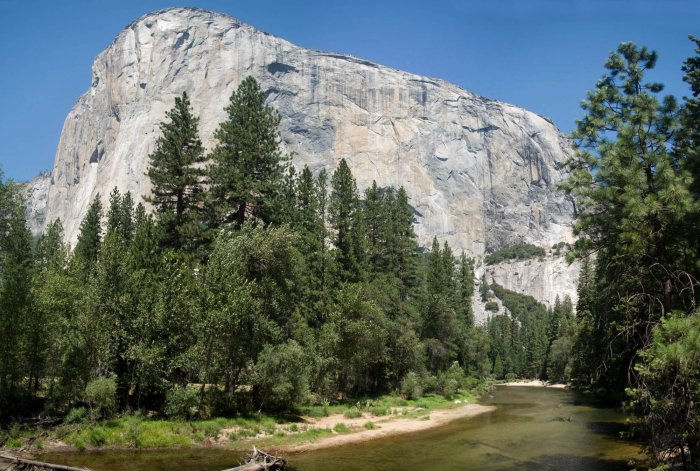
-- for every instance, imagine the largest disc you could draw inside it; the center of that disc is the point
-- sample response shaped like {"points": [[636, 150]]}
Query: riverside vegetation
{"points": [[255, 288]]}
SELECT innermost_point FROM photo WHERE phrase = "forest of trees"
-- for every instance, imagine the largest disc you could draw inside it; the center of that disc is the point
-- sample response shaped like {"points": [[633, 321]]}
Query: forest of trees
{"points": [[254, 285], [529, 340], [251, 286]]}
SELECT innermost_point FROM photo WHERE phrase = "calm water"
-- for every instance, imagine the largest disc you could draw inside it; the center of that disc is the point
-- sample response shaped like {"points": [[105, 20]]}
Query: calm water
{"points": [[532, 429]]}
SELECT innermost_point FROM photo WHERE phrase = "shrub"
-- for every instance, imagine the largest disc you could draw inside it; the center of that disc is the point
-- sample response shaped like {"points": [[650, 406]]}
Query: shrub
{"points": [[428, 383], [379, 411], [281, 374], [491, 306], [450, 381], [79, 444], [101, 396], [97, 436], [13, 443], [181, 402], [369, 425], [352, 413], [411, 386], [340, 427], [133, 432], [518, 251], [77, 414]]}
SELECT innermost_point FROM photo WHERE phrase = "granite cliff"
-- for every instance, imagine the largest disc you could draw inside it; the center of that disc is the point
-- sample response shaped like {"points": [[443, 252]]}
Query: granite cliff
{"points": [[481, 174]]}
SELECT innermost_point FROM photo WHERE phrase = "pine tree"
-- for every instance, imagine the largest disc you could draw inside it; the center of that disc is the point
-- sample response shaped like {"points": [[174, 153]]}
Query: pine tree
{"points": [[346, 221], [177, 177], [89, 239], [246, 171], [465, 282], [634, 200], [310, 227], [688, 144], [400, 246], [375, 215]]}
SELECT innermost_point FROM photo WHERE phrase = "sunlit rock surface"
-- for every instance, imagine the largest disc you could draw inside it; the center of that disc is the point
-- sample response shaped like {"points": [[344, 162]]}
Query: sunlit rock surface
{"points": [[480, 174]]}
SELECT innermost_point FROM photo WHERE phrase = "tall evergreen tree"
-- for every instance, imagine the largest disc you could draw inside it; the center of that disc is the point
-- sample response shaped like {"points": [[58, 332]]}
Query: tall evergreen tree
{"points": [[345, 218], [402, 245], [376, 228], [246, 171], [177, 174], [465, 283], [634, 200], [89, 239], [688, 144]]}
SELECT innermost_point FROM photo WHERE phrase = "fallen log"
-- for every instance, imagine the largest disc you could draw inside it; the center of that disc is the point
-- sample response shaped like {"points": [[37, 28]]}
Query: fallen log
{"points": [[261, 461], [31, 464]]}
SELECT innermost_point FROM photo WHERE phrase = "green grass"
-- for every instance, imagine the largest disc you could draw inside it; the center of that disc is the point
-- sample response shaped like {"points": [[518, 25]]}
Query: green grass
{"points": [[13, 443], [340, 427], [353, 413], [137, 432], [379, 411]]}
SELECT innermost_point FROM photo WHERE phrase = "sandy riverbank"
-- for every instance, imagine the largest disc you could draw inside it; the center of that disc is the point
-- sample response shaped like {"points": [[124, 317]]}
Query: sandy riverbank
{"points": [[535, 383], [383, 428]]}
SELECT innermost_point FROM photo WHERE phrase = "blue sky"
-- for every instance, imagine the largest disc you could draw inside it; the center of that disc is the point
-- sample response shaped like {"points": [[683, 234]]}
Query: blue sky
{"points": [[542, 55]]}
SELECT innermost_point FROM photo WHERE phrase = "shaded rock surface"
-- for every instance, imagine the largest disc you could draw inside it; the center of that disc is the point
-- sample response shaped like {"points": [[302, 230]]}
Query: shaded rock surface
{"points": [[36, 193], [481, 174]]}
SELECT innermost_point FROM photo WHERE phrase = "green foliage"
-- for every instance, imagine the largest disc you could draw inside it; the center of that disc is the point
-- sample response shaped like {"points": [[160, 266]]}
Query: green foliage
{"points": [[245, 171], [182, 402], [668, 390], [411, 387], [281, 376], [498, 367], [177, 179], [76, 414], [16, 314], [346, 220], [87, 248], [491, 306], [97, 437], [449, 382], [100, 394], [522, 339], [638, 210], [514, 252], [341, 427]]}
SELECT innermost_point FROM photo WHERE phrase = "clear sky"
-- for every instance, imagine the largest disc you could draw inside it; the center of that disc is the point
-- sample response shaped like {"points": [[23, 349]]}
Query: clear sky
{"points": [[542, 55]]}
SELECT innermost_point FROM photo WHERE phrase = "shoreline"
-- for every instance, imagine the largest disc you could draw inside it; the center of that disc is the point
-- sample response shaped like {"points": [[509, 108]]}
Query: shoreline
{"points": [[534, 383], [386, 428], [382, 426]]}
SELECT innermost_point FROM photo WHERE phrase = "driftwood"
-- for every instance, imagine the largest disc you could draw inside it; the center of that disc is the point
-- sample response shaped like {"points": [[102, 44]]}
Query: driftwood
{"points": [[261, 461], [24, 464]]}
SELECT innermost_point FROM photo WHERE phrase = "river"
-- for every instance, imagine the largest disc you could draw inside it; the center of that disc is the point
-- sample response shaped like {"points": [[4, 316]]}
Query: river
{"points": [[531, 429]]}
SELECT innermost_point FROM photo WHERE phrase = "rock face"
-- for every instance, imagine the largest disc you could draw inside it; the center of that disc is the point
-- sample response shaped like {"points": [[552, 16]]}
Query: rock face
{"points": [[480, 174], [543, 278], [36, 193]]}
